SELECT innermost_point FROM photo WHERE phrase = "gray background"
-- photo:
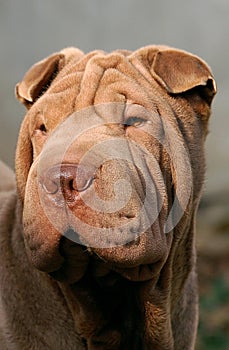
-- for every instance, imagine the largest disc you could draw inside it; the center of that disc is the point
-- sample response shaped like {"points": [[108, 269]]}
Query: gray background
{"points": [[31, 30]]}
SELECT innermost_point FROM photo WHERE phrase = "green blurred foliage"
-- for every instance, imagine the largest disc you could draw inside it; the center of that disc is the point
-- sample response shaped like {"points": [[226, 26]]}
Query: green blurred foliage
{"points": [[213, 331]]}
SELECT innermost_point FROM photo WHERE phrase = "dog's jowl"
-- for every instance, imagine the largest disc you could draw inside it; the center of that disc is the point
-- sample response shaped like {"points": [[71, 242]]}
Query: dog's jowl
{"points": [[97, 242]]}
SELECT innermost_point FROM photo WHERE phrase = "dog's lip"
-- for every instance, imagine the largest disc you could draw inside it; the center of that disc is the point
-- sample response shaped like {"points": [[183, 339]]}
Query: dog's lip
{"points": [[100, 268], [139, 273]]}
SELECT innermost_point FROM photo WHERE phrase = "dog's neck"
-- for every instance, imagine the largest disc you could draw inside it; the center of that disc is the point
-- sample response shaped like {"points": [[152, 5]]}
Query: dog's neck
{"points": [[119, 316], [114, 313], [106, 316]]}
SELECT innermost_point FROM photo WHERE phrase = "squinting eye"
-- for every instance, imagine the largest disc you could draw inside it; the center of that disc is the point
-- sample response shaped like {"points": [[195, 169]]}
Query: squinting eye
{"points": [[42, 128], [135, 121], [40, 131]]}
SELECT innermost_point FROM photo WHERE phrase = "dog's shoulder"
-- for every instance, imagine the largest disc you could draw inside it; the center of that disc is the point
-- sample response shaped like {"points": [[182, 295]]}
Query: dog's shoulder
{"points": [[7, 179], [8, 205], [7, 194]]}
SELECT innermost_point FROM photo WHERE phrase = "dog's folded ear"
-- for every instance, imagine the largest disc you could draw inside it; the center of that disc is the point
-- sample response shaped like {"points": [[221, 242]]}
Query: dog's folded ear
{"points": [[39, 77], [180, 72]]}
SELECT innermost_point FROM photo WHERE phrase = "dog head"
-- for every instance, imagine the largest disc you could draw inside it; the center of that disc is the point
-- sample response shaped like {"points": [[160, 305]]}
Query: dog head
{"points": [[110, 156]]}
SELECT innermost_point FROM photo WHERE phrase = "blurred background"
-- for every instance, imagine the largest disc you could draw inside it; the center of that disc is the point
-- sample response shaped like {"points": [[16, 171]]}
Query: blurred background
{"points": [[31, 30]]}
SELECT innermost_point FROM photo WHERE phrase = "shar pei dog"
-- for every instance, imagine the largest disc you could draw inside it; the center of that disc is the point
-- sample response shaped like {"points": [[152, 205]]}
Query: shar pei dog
{"points": [[97, 241]]}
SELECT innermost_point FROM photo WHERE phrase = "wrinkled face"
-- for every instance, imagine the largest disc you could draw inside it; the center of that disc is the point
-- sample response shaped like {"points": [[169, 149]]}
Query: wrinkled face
{"points": [[115, 165]]}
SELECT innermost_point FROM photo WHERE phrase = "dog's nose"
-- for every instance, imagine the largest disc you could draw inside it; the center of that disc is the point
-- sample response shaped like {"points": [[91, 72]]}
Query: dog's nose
{"points": [[68, 180]]}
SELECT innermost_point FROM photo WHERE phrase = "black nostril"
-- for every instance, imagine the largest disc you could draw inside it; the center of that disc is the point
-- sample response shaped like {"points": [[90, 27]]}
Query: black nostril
{"points": [[75, 178], [72, 185]]}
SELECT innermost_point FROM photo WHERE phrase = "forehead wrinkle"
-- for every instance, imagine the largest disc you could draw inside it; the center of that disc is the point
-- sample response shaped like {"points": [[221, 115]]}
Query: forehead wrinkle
{"points": [[72, 74], [78, 65], [98, 66], [65, 88], [91, 69]]}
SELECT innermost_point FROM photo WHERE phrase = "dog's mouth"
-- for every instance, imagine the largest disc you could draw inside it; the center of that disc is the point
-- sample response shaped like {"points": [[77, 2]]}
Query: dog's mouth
{"points": [[80, 260]]}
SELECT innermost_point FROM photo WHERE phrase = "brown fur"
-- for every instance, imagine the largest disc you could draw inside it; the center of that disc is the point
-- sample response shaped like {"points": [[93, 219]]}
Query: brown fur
{"points": [[7, 181], [141, 295]]}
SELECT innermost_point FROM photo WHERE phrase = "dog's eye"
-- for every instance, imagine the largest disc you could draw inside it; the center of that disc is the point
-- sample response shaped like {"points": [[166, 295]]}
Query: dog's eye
{"points": [[40, 131], [135, 121], [42, 128]]}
